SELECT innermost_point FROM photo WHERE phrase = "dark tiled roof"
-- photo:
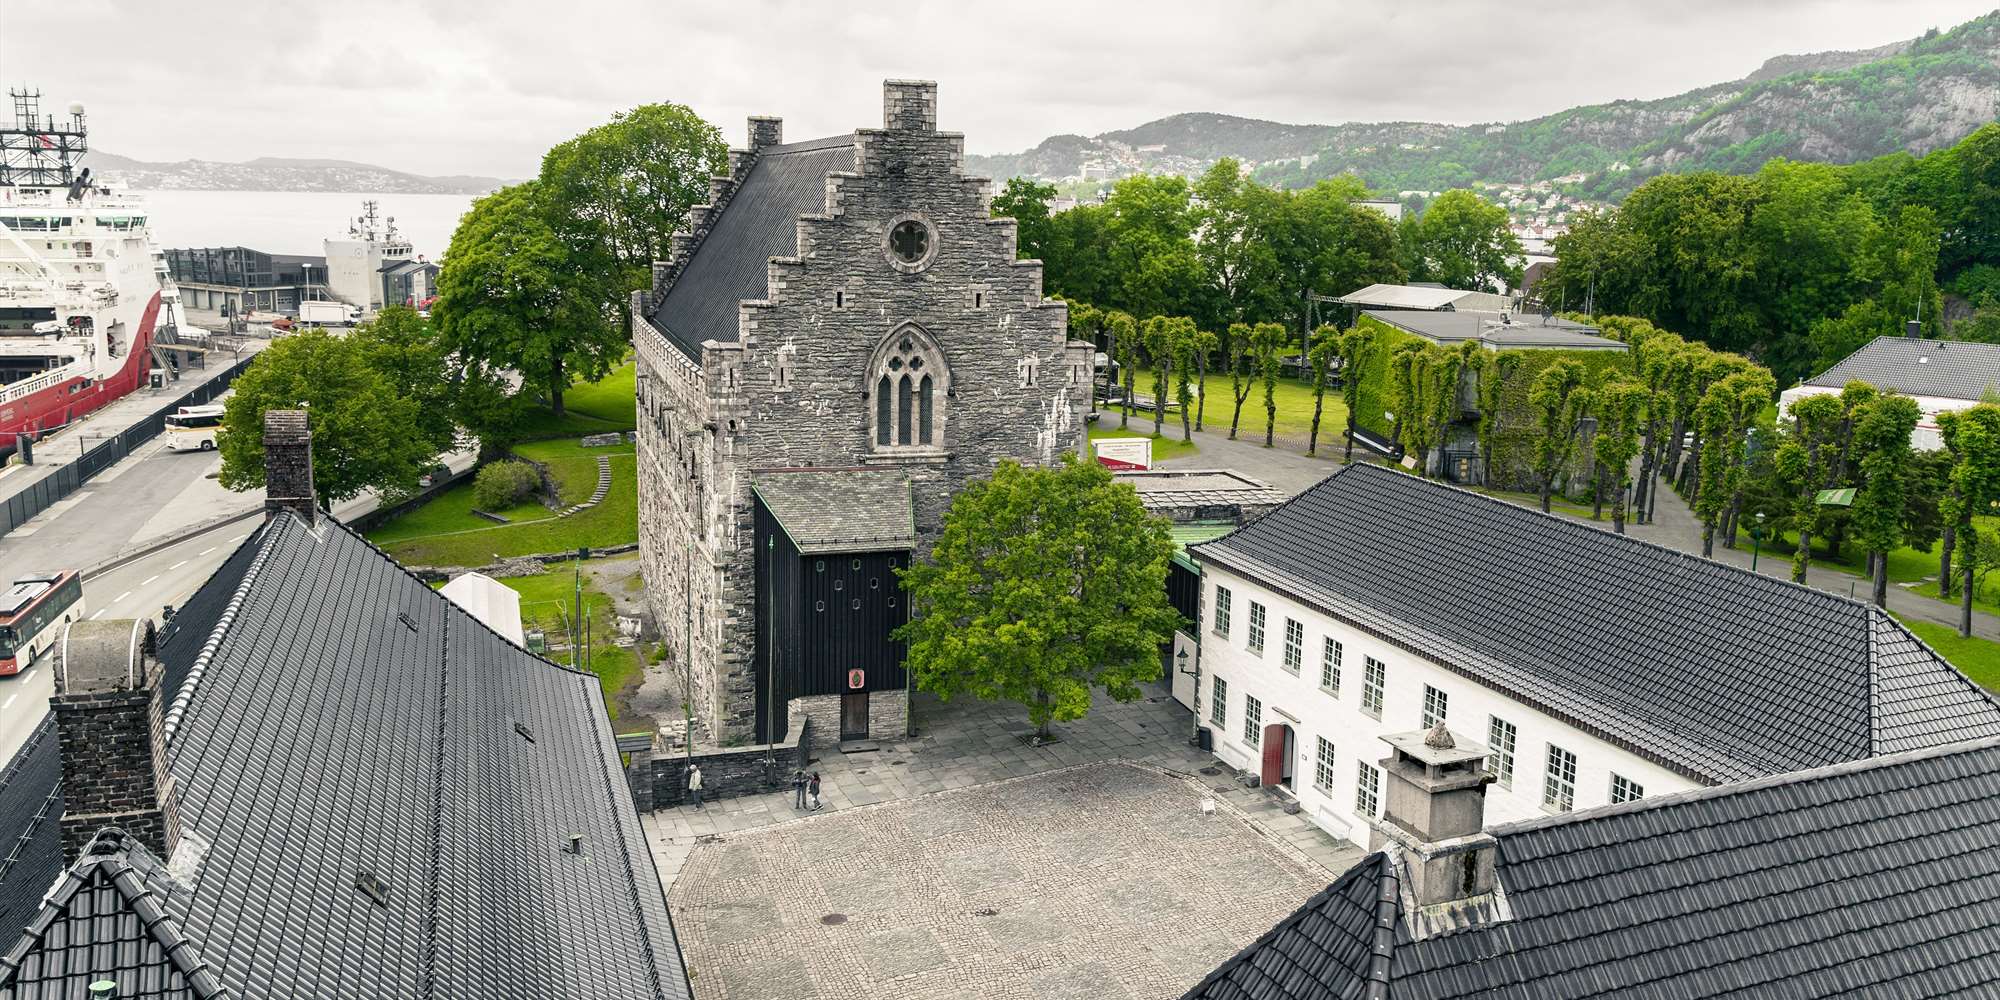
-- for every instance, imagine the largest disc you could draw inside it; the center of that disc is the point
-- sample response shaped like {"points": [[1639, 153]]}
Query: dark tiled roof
{"points": [[1874, 878], [337, 716], [1713, 671], [1500, 331], [841, 510], [30, 827], [759, 223], [1950, 369]]}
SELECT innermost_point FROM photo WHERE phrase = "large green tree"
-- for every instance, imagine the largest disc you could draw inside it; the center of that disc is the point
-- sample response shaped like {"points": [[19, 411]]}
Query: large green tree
{"points": [[1882, 439], [1319, 362], [1044, 585], [1321, 244], [513, 295], [1357, 348], [405, 349], [1621, 411], [1267, 348], [1972, 438], [1462, 241], [1807, 462], [1560, 396], [361, 425], [1026, 201]]}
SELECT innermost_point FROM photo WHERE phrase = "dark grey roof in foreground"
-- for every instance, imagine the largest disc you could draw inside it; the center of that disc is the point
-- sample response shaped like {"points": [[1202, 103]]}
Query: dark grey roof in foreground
{"points": [[1951, 369], [1879, 878], [841, 510], [759, 223], [334, 715], [1713, 671], [1499, 331], [30, 826]]}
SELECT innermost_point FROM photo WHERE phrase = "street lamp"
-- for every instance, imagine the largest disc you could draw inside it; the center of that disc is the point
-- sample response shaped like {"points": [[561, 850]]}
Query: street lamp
{"points": [[1756, 540]]}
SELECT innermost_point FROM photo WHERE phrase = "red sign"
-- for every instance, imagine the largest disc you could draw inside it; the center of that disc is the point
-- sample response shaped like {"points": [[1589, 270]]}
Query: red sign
{"points": [[857, 679]]}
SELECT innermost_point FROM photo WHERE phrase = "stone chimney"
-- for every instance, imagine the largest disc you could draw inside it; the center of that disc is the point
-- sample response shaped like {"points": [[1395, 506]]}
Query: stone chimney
{"points": [[107, 705], [1913, 329], [1435, 809], [288, 466], [765, 132], [909, 104]]}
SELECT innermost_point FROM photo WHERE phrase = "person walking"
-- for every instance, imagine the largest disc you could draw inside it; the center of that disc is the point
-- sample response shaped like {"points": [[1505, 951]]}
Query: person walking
{"points": [[694, 784], [799, 789], [812, 789]]}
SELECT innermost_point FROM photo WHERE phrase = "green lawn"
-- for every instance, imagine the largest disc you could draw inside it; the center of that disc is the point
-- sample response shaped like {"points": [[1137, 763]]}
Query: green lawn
{"points": [[1976, 658], [451, 511], [548, 603], [1557, 503], [613, 522], [1905, 564], [1164, 447], [1295, 409], [588, 408]]}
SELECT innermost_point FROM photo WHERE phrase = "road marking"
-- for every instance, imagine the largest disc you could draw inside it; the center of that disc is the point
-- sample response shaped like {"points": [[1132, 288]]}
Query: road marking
{"points": [[177, 565], [147, 581], [121, 597], [98, 614], [9, 703], [206, 551]]}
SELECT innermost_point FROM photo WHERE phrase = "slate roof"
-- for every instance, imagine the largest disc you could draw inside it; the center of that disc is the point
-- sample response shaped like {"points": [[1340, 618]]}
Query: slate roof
{"points": [[759, 222], [1500, 331], [840, 510], [332, 715], [1950, 369], [30, 815], [1712, 671], [1875, 878], [1168, 489]]}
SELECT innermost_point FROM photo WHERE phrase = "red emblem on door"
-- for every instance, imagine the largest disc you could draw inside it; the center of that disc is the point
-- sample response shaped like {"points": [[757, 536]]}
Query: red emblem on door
{"points": [[856, 679]]}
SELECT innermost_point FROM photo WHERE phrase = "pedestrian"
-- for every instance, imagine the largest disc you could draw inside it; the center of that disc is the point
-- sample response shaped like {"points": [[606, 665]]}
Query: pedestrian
{"points": [[812, 789], [694, 784], [799, 789]]}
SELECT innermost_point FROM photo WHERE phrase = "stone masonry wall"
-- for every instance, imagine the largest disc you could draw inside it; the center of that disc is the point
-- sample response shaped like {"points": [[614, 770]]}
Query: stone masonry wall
{"points": [[113, 773], [658, 779]]}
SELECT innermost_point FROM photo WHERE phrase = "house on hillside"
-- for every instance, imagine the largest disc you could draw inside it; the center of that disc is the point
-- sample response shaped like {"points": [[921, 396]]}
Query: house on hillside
{"points": [[1941, 375], [323, 779], [1870, 878], [1596, 668]]}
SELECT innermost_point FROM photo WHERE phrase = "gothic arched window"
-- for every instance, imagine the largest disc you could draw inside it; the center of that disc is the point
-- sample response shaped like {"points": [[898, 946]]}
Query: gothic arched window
{"points": [[909, 380]]}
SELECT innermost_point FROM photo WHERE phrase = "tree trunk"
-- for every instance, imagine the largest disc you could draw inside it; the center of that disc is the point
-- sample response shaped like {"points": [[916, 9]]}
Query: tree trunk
{"points": [[1312, 440], [1348, 455], [1944, 561], [1596, 490], [1270, 421], [1708, 539], [1881, 580], [1803, 558], [1160, 379], [1237, 417], [1965, 603], [1548, 482], [556, 386], [1618, 508], [1186, 434], [1833, 539], [1042, 729], [1201, 388], [1125, 407], [1729, 525]]}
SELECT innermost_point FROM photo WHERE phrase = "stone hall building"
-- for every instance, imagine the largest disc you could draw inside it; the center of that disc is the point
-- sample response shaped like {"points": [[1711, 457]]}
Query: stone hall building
{"points": [[842, 339]]}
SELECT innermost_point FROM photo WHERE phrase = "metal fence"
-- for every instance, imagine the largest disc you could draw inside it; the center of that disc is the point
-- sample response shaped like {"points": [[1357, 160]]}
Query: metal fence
{"points": [[39, 496]]}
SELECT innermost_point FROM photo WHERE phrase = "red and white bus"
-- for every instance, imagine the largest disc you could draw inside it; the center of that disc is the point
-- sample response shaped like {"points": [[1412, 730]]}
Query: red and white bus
{"points": [[33, 613]]}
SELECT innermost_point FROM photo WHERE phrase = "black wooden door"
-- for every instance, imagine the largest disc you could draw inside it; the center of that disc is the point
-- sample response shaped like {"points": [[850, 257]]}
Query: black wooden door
{"points": [[854, 715]]}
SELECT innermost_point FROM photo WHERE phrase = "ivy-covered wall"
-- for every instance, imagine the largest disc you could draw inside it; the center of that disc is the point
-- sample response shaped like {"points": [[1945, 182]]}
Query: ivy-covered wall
{"points": [[1378, 387]]}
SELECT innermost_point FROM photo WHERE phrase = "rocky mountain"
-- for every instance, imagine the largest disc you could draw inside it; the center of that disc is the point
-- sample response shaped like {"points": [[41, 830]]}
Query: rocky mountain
{"points": [[1841, 107], [278, 174]]}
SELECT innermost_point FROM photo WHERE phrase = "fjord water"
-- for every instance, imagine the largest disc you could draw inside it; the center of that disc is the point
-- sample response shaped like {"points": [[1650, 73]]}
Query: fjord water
{"points": [[295, 222]]}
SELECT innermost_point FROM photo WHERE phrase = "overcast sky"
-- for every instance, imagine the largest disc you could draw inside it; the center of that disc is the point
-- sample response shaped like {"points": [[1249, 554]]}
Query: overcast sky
{"points": [[448, 86]]}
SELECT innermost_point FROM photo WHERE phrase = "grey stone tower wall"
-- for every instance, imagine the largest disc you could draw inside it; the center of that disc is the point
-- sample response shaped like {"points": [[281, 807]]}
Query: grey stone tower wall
{"points": [[827, 311], [288, 471]]}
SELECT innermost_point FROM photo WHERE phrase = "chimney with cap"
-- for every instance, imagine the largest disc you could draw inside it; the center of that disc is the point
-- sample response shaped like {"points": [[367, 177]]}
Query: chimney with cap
{"points": [[1435, 810], [288, 467], [107, 705], [909, 105]]}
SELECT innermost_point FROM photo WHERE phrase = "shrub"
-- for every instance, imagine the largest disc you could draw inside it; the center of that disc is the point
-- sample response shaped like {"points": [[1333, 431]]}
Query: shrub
{"points": [[501, 485]]}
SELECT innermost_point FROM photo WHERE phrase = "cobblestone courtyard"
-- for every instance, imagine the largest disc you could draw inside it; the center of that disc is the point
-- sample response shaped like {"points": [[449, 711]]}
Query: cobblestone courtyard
{"points": [[1100, 881]]}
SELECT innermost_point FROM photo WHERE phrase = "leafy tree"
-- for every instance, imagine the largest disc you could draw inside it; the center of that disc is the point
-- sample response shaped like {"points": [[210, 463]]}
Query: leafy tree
{"points": [[1462, 241], [1426, 394], [1322, 244], [1748, 391], [1972, 439], [1492, 369], [1206, 344], [1236, 353], [360, 424], [404, 348], [1267, 346], [1621, 410], [1127, 351], [1834, 338], [1026, 201], [616, 194], [1560, 397], [1150, 246], [1356, 347], [1882, 439], [1806, 463], [1185, 341], [512, 295], [1237, 267], [1044, 584], [1159, 336], [1325, 348]]}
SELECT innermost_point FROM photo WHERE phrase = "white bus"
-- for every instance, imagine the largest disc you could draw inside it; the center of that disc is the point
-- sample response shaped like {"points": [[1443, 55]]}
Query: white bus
{"points": [[192, 428], [33, 613]]}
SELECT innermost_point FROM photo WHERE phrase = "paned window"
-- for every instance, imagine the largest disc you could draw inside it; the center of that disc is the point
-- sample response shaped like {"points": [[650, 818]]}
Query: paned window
{"points": [[1329, 668], [907, 373], [1373, 674], [1435, 704], [1218, 703], [1323, 767], [1559, 786], [1222, 600], [1367, 789], [1256, 627], [1500, 737], [1253, 721], [1295, 646], [1624, 789]]}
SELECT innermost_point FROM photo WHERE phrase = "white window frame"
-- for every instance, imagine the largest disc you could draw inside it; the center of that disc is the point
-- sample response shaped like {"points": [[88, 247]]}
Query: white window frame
{"points": [[1295, 646], [1437, 707], [1323, 764], [1218, 703], [1559, 780], [1624, 789], [1501, 737], [1222, 600], [1374, 678], [1253, 722], [1329, 667], [1255, 638], [1367, 790]]}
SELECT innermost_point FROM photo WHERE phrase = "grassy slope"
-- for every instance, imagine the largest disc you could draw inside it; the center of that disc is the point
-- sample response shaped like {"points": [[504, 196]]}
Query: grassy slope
{"points": [[1977, 658], [548, 602]]}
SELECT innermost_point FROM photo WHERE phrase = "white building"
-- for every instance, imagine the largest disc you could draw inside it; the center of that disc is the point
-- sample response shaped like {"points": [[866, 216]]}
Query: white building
{"points": [[1941, 375], [1595, 667]]}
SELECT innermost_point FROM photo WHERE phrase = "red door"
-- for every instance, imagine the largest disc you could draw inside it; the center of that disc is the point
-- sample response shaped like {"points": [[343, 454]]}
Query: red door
{"points": [[1274, 755]]}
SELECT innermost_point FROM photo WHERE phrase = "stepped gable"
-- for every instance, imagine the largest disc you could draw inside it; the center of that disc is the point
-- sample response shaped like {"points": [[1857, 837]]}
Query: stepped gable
{"points": [[1715, 672], [1873, 878]]}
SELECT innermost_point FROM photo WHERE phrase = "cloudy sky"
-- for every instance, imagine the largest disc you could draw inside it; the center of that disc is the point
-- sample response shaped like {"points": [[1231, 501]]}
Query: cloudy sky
{"points": [[450, 86]]}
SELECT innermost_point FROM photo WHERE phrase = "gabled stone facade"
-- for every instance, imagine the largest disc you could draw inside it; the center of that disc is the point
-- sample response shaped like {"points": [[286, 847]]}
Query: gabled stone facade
{"points": [[901, 333]]}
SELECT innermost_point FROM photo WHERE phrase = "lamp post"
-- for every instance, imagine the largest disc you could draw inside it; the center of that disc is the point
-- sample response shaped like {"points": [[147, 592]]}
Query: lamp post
{"points": [[1756, 540]]}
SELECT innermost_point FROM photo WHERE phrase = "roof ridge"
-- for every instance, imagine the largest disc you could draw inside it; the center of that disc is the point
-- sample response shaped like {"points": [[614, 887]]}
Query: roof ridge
{"points": [[1890, 619], [184, 697], [1388, 913], [1800, 777], [1374, 862], [601, 722]]}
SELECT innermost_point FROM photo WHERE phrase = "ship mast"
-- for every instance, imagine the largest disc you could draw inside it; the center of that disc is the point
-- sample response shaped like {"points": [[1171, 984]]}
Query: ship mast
{"points": [[37, 152]]}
